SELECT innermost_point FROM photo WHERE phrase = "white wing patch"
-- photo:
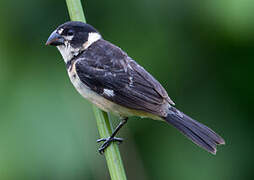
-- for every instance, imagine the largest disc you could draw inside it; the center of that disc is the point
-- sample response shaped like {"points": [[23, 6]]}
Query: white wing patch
{"points": [[108, 92], [131, 81]]}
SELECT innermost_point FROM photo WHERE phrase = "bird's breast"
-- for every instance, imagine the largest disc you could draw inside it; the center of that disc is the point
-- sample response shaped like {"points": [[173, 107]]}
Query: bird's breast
{"points": [[100, 101], [85, 91]]}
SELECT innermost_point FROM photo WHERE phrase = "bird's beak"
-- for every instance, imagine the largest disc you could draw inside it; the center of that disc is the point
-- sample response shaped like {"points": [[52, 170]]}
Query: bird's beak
{"points": [[55, 39]]}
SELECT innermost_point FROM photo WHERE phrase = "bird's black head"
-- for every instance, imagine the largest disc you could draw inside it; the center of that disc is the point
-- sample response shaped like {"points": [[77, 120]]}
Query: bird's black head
{"points": [[72, 37]]}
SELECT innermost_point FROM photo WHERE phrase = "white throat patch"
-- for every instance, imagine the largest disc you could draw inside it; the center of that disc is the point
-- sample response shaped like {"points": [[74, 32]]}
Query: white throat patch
{"points": [[68, 52]]}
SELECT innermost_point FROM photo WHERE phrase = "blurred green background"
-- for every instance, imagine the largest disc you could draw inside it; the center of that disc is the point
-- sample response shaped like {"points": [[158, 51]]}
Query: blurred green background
{"points": [[201, 51]]}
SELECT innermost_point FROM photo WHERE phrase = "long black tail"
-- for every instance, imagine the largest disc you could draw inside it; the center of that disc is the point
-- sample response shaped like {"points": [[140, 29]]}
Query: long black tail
{"points": [[200, 134]]}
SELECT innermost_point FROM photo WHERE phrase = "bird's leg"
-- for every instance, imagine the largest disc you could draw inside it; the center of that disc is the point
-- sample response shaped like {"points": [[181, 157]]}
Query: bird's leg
{"points": [[112, 138]]}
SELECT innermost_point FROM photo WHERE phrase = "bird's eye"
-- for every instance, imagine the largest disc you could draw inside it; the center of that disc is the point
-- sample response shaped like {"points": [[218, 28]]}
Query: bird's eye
{"points": [[70, 32]]}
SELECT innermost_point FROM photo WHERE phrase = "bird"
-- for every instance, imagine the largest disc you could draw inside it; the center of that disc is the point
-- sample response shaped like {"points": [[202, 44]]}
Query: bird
{"points": [[106, 76]]}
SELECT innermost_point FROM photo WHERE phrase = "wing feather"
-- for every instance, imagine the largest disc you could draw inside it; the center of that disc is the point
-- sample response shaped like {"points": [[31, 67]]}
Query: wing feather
{"points": [[105, 66]]}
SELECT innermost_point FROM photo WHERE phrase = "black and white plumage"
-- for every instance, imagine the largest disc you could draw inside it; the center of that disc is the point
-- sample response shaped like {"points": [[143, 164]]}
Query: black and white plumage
{"points": [[104, 68], [105, 75]]}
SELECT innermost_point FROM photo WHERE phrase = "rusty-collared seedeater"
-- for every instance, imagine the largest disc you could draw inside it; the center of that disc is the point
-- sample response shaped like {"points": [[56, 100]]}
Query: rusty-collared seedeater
{"points": [[105, 75]]}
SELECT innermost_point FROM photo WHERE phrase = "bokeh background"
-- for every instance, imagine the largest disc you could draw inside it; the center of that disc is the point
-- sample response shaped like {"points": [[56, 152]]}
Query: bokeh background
{"points": [[201, 51]]}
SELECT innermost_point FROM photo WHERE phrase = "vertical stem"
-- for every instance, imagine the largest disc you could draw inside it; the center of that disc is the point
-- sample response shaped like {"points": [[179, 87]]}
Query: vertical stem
{"points": [[75, 10], [112, 153]]}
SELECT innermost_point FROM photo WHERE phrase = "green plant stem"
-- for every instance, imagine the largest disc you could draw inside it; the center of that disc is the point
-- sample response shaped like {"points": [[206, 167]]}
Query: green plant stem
{"points": [[75, 10], [112, 153]]}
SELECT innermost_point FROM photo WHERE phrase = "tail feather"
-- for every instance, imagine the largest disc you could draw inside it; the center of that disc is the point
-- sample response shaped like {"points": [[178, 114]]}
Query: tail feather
{"points": [[200, 134]]}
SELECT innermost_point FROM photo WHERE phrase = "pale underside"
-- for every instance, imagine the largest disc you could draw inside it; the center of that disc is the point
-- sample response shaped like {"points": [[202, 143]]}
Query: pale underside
{"points": [[102, 102]]}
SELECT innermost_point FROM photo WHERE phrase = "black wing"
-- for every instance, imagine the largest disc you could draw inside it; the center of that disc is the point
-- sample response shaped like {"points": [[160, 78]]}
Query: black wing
{"points": [[104, 67]]}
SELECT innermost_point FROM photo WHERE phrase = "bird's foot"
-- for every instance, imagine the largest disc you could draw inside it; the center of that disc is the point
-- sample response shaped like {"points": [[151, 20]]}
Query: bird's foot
{"points": [[107, 142]]}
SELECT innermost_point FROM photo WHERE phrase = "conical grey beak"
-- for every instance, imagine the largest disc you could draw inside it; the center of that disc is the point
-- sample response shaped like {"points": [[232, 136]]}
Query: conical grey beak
{"points": [[55, 39]]}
